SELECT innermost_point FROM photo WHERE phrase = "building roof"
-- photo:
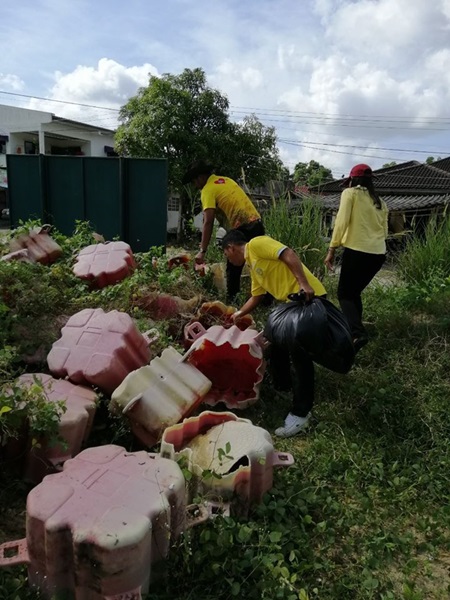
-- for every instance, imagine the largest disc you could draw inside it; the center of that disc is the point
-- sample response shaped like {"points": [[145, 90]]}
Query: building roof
{"points": [[81, 124], [443, 163], [407, 186], [397, 202], [410, 178]]}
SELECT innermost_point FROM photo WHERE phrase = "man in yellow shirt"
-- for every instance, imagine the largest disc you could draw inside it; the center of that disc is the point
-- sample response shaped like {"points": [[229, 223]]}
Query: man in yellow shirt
{"points": [[223, 199], [276, 269]]}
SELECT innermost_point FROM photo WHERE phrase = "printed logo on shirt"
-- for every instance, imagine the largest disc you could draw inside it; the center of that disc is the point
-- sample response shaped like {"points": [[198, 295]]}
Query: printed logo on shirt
{"points": [[220, 181]]}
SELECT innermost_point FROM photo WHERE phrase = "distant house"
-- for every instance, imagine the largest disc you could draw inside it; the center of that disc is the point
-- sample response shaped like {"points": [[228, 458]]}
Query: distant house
{"points": [[26, 131], [413, 192]]}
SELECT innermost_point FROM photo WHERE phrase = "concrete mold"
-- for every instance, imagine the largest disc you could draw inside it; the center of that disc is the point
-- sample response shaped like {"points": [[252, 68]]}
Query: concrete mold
{"points": [[158, 395], [99, 349], [231, 359], [74, 427], [97, 530], [238, 456], [41, 247], [104, 264]]}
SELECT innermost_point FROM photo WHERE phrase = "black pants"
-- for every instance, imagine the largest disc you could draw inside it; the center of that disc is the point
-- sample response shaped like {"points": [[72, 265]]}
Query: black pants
{"points": [[293, 370], [250, 230], [357, 271]]}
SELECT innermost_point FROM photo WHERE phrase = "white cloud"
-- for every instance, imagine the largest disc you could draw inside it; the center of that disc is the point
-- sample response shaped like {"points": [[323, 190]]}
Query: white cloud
{"points": [[12, 83], [109, 84], [358, 75]]}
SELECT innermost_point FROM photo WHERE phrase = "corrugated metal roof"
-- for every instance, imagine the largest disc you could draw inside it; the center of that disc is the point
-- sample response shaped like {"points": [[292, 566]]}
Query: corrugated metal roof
{"points": [[408, 178], [443, 164], [396, 202], [405, 165]]}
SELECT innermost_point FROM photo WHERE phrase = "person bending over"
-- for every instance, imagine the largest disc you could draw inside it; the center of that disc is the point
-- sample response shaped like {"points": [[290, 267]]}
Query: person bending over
{"points": [[277, 269], [223, 199]]}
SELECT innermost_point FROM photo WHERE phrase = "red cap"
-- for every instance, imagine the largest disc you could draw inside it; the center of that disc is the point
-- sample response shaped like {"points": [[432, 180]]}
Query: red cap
{"points": [[361, 171]]}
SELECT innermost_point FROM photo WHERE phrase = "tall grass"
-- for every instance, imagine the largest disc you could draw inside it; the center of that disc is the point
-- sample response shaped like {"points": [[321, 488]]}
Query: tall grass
{"points": [[301, 227], [426, 257]]}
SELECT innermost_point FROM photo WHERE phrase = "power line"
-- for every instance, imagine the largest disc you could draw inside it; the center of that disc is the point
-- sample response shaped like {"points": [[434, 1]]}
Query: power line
{"points": [[269, 112], [60, 101], [329, 147], [298, 143], [328, 115]]}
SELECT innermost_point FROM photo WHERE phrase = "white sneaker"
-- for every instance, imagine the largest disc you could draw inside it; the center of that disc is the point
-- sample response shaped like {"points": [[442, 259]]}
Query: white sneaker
{"points": [[292, 425]]}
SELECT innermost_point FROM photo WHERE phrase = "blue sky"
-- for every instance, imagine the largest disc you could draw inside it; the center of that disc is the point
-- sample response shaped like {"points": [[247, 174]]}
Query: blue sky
{"points": [[343, 81]]}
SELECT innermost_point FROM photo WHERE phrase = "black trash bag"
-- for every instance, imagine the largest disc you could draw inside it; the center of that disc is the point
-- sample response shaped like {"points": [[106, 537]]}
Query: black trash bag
{"points": [[318, 327], [338, 353], [298, 323]]}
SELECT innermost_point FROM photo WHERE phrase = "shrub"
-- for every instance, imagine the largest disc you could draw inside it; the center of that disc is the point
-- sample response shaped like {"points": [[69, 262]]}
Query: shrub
{"points": [[427, 258], [301, 228]]}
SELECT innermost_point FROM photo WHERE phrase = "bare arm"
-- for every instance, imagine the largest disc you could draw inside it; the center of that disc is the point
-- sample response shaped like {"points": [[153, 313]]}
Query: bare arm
{"points": [[208, 225], [294, 264], [250, 305]]}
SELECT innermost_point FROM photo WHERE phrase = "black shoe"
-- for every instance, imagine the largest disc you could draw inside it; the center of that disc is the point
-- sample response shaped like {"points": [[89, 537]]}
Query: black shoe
{"points": [[359, 343]]}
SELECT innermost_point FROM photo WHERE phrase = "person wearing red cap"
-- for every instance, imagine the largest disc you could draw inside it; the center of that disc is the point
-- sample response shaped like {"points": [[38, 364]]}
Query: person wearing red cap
{"points": [[361, 228]]}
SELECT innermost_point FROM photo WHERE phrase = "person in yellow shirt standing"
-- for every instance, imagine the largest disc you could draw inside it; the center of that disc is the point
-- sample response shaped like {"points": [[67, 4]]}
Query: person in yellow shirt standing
{"points": [[361, 227], [276, 269], [223, 199]]}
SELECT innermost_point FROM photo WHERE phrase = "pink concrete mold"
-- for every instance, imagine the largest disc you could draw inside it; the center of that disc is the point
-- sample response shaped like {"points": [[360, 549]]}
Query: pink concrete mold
{"points": [[74, 427], [232, 359], [217, 313], [41, 247], [96, 530], [158, 395], [105, 264], [18, 256], [179, 260], [238, 456], [99, 349]]}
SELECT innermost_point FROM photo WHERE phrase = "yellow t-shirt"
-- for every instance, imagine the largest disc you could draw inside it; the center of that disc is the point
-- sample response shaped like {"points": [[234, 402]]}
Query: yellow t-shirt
{"points": [[233, 206], [270, 274], [359, 224]]}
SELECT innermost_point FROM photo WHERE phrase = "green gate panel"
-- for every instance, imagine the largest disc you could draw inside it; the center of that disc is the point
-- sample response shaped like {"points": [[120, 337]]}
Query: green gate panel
{"points": [[121, 197], [65, 192], [145, 193], [103, 196], [26, 200]]}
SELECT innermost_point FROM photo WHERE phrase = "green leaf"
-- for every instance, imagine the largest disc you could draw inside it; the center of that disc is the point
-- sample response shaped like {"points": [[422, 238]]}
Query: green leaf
{"points": [[235, 588], [275, 536]]}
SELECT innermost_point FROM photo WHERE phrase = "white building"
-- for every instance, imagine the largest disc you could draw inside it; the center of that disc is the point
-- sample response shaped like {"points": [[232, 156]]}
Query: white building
{"points": [[26, 131]]}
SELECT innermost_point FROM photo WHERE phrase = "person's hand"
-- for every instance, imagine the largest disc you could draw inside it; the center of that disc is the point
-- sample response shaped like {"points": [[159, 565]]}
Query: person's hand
{"points": [[329, 260], [200, 258], [236, 316], [308, 291]]}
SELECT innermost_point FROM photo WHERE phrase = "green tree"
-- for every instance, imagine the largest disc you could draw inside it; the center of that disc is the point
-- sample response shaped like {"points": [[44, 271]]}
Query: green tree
{"points": [[179, 117], [311, 174], [431, 160], [389, 164]]}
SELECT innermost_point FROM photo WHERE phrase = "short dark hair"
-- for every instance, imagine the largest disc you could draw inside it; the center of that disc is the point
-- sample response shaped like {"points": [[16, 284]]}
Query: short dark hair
{"points": [[198, 167], [233, 237]]}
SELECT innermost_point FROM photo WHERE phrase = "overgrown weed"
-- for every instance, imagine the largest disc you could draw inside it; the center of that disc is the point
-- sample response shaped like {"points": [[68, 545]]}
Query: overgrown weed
{"points": [[426, 258], [363, 514], [300, 227]]}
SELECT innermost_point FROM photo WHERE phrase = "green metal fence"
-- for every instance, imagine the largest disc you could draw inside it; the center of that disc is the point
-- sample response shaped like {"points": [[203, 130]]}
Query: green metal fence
{"points": [[124, 197]]}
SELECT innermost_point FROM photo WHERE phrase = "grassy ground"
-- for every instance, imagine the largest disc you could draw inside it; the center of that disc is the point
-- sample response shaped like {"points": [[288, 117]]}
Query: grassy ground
{"points": [[364, 512]]}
